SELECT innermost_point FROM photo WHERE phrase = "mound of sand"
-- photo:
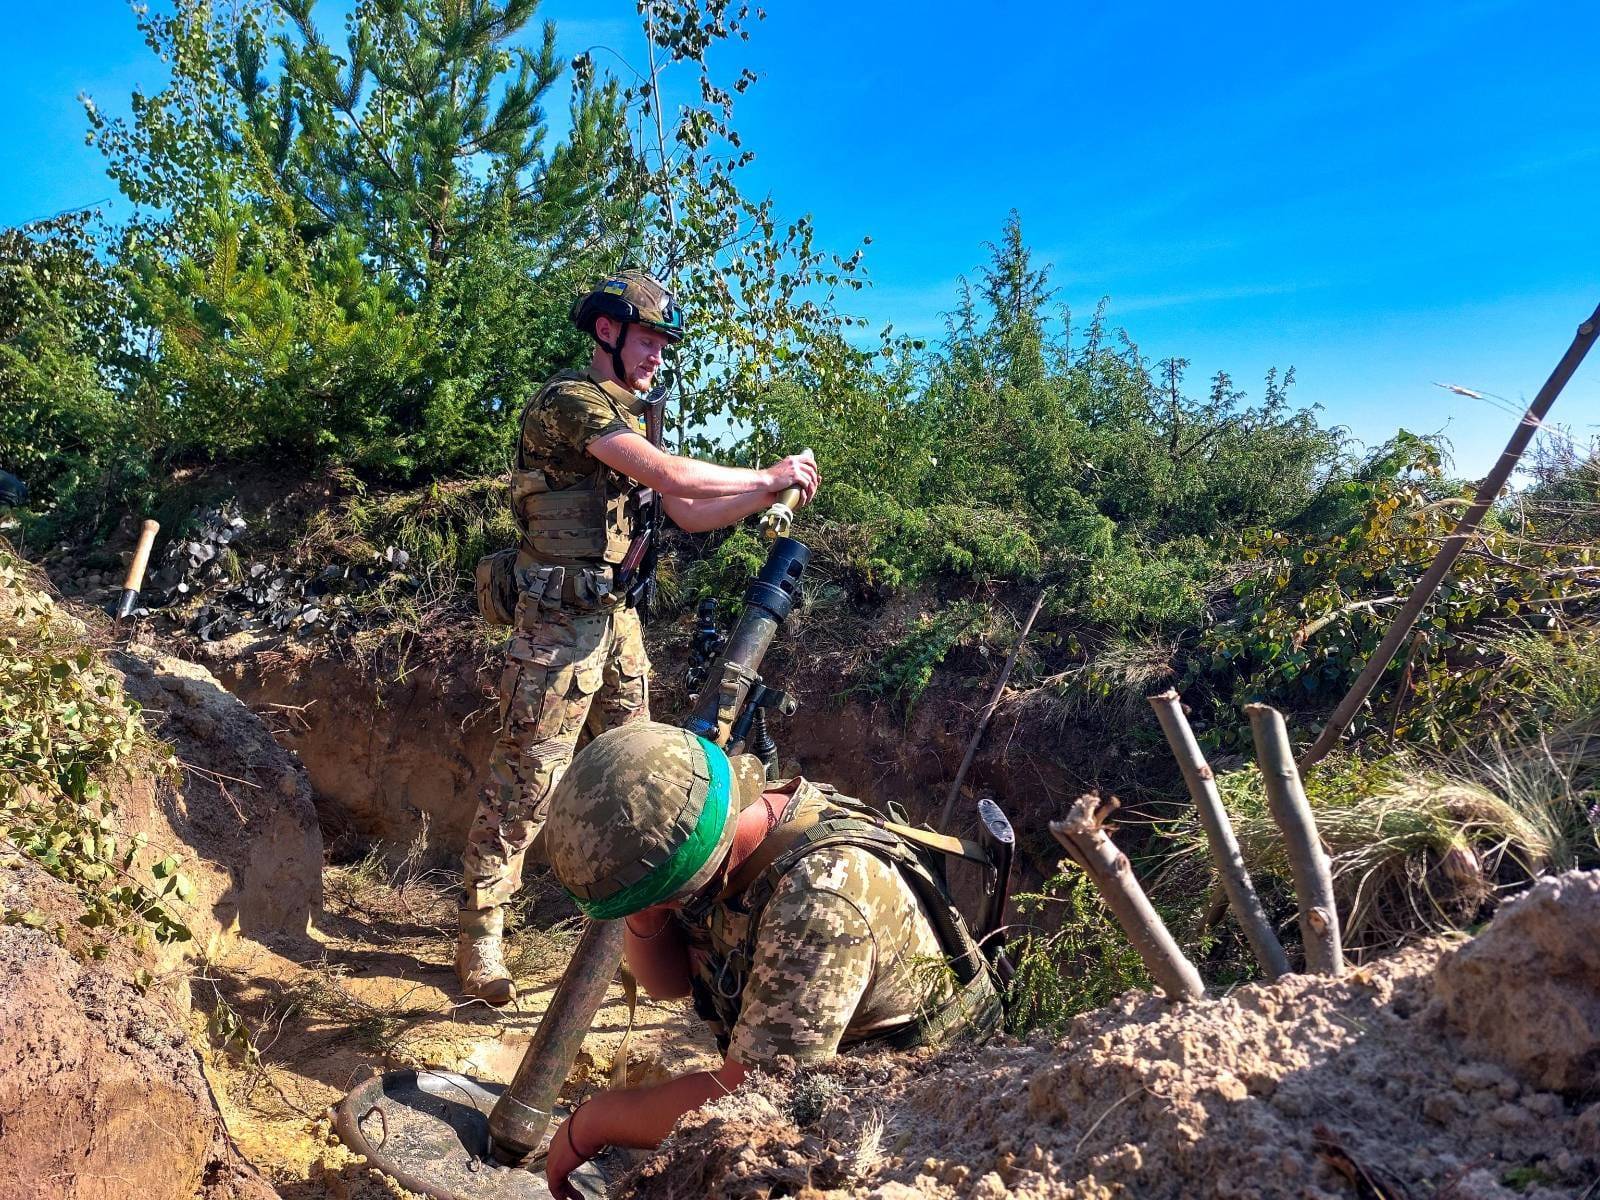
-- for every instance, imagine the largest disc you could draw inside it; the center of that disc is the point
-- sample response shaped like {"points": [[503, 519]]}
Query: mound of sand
{"points": [[1387, 1082]]}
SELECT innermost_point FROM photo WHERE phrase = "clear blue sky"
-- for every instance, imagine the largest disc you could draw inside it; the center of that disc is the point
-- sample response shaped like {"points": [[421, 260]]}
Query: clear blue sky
{"points": [[1381, 195]]}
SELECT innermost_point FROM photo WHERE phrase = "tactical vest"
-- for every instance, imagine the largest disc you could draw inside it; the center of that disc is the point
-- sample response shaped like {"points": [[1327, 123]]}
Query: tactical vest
{"points": [[821, 819], [592, 521]]}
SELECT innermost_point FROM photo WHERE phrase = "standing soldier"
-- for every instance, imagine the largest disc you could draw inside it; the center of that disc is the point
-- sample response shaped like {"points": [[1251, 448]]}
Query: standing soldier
{"points": [[582, 486]]}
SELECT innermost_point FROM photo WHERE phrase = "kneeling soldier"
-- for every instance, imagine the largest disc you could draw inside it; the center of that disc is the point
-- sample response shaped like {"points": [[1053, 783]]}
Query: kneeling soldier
{"points": [[799, 926]]}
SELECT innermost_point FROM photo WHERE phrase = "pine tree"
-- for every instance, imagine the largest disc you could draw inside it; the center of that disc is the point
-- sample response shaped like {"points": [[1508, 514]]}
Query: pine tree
{"points": [[429, 123]]}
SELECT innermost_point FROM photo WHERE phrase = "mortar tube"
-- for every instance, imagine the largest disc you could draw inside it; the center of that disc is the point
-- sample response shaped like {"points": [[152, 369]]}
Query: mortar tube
{"points": [[768, 601], [521, 1117]]}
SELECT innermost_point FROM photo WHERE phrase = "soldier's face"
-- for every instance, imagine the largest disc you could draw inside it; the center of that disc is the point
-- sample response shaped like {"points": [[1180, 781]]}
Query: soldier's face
{"points": [[641, 357]]}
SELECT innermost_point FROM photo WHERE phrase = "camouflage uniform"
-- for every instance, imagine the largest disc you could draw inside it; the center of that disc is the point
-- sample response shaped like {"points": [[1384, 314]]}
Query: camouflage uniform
{"points": [[844, 954], [576, 658], [833, 932]]}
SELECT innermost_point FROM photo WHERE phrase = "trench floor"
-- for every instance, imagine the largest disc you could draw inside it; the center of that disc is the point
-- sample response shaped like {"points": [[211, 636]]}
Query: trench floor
{"points": [[291, 1027]]}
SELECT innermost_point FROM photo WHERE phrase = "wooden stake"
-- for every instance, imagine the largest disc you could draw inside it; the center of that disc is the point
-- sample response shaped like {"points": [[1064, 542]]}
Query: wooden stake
{"points": [[1242, 898], [988, 711], [1308, 862], [1082, 834]]}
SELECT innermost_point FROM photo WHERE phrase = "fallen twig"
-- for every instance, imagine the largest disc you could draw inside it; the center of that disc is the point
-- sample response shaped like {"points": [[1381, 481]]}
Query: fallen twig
{"points": [[988, 710]]}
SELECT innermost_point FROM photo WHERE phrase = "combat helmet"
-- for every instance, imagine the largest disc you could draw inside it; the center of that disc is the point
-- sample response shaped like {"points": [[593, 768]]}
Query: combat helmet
{"points": [[645, 814], [633, 298]]}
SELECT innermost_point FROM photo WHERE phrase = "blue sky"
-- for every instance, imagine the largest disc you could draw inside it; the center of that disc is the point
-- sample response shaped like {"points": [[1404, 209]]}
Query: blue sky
{"points": [[1380, 195]]}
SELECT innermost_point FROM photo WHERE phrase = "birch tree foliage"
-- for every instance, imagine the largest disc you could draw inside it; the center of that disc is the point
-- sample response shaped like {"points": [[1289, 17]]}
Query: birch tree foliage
{"points": [[760, 294]]}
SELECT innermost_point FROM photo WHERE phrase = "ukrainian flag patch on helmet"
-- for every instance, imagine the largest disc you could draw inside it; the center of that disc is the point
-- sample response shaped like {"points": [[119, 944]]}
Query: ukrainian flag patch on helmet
{"points": [[614, 287]]}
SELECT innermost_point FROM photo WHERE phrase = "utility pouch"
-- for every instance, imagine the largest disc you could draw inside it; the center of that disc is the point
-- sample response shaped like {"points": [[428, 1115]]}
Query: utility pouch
{"points": [[495, 586], [590, 588], [538, 596]]}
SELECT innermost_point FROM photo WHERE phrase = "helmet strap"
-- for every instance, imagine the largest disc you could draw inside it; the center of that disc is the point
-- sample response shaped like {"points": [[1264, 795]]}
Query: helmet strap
{"points": [[616, 351]]}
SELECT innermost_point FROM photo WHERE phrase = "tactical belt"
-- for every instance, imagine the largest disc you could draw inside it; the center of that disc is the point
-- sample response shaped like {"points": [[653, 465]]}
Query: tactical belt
{"points": [[571, 587]]}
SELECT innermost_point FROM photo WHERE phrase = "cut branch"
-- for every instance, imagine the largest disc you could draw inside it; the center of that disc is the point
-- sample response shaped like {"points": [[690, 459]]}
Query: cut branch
{"points": [[1308, 862], [988, 711], [1242, 898], [1082, 833]]}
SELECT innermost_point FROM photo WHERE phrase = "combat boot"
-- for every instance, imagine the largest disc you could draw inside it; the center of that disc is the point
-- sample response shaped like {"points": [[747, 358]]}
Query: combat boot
{"points": [[480, 962]]}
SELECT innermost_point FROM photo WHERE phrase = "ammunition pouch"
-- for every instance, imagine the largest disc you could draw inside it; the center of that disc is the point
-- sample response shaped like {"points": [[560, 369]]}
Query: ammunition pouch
{"points": [[495, 586]]}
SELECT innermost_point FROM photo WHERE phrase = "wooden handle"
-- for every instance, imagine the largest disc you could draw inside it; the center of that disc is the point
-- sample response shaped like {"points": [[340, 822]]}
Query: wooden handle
{"points": [[141, 557]]}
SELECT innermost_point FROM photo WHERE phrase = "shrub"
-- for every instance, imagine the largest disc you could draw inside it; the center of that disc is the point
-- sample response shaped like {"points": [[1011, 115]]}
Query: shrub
{"points": [[66, 730], [902, 673]]}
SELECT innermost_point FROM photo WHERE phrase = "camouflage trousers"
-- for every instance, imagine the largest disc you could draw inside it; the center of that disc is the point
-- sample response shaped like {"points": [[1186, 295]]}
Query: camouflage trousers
{"points": [[565, 673]]}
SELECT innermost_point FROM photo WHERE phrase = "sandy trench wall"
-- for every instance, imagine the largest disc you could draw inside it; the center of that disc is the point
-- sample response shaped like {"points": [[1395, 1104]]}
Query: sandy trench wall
{"points": [[386, 760], [239, 811], [386, 763], [101, 1094]]}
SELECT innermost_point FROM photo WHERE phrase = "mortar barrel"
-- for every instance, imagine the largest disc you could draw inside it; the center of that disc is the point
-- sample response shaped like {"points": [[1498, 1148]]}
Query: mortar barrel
{"points": [[521, 1116]]}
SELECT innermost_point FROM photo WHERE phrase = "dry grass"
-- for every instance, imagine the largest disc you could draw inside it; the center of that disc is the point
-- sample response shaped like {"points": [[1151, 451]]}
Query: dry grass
{"points": [[1110, 684], [1421, 845]]}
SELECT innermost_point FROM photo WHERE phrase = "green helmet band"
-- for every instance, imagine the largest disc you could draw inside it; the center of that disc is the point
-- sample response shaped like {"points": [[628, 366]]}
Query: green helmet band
{"points": [[669, 877]]}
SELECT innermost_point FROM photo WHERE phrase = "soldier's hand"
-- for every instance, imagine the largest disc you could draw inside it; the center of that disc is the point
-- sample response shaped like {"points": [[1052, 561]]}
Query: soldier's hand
{"points": [[797, 470], [564, 1158]]}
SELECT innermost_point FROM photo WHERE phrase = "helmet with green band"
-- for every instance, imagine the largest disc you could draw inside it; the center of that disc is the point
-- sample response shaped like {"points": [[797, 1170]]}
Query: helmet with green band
{"points": [[644, 815]]}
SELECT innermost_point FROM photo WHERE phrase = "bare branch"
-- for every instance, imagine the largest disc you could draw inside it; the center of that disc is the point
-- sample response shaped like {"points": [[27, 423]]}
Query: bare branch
{"points": [[1082, 833], [1242, 898], [1308, 861]]}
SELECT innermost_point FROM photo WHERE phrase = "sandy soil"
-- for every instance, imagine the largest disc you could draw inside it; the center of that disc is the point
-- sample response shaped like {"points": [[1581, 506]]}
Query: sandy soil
{"points": [[1373, 1085], [297, 1025]]}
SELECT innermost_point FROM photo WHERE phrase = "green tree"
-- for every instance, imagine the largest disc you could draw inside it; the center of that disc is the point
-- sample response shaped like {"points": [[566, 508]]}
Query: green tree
{"points": [[366, 254], [430, 122], [62, 426]]}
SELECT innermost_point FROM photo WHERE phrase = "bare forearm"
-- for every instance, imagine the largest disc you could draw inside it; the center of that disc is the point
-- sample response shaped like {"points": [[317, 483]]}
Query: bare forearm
{"points": [[642, 1117], [697, 516], [692, 479], [638, 1117], [672, 474]]}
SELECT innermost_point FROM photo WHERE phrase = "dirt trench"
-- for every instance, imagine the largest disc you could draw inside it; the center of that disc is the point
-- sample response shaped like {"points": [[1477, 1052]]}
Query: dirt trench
{"points": [[1457, 1072], [1449, 1070]]}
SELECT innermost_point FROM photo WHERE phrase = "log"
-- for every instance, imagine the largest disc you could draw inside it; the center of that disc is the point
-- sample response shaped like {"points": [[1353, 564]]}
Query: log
{"points": [[1082, 834], [1308, 861], [1241, 893]]}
